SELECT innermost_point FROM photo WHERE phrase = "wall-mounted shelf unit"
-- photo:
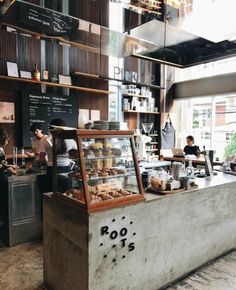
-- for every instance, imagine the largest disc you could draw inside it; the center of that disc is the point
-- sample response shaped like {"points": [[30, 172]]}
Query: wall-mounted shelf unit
{"points": [[45, 23], [83, 89]]}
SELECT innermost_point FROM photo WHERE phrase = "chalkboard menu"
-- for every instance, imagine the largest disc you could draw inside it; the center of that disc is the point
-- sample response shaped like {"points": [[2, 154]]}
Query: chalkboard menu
{"points": [[42, 108], [46, 21]]}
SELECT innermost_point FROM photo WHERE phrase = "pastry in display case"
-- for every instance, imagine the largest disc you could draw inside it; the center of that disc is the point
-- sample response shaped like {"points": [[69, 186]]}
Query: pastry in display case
{"points": [[95, 169]]}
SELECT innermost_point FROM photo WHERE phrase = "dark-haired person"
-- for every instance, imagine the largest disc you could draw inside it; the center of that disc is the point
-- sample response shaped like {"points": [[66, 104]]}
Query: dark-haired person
{"points": [[63, 160], [36, 141], [5, 171], [5, 168], [190, 148]]}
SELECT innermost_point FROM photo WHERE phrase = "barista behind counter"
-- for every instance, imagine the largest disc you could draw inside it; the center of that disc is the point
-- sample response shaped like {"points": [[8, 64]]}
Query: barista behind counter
{"points": [[190, 151], [190, 148], [37, 140], [63, 160]]}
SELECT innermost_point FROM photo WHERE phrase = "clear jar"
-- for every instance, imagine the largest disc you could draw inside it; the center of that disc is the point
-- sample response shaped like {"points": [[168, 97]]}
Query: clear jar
{"points": [[190, 170]]}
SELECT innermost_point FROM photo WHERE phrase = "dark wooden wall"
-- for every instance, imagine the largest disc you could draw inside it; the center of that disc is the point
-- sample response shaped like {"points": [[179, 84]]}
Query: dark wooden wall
{"points": [[26, 51], [95, 11]]}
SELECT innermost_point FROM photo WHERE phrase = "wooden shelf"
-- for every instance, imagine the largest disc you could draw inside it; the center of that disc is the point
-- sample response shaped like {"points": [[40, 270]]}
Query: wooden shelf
{"points": [[87, 75], [49, 84], [130, 111], [61, 39], [145, 9], [133, 95]]}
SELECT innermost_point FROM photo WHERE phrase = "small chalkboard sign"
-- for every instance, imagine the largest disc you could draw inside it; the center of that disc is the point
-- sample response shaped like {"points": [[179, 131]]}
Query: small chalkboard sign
{"points": [[42, 108], [46, 21]]}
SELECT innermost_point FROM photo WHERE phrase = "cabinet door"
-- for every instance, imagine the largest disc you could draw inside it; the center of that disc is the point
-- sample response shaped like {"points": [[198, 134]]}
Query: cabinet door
{"points": [[24, 201]]}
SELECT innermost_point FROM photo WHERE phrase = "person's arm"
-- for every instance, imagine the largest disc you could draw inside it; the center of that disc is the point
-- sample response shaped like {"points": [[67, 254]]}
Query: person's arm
{"points": [[9, 167], [31, 154], [12, 169], [33, 151]]}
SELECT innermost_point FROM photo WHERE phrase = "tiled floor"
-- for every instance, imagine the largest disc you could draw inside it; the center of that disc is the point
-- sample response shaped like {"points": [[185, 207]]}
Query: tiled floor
{"points": [[21, 268]]}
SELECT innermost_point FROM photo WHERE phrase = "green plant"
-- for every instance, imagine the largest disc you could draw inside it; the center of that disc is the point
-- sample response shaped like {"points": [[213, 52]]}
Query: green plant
{"points": [[230, 148], [195, 124]]}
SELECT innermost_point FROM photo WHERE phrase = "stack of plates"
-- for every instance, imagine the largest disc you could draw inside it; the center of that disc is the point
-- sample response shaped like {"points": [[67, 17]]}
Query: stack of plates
{"points": [[101, 125], [114, 125]]}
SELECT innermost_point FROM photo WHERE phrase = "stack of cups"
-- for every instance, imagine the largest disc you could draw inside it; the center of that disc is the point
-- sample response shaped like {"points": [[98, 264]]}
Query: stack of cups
{"points": [[176, 170]]}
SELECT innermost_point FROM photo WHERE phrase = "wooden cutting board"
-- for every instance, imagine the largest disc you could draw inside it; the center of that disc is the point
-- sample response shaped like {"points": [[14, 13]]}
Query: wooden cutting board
{"points": [[166, 192]]}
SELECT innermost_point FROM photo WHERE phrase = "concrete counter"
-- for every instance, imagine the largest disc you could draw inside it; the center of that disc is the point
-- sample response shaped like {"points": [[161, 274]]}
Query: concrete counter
{"points": [[142, 246], [203, 183]]}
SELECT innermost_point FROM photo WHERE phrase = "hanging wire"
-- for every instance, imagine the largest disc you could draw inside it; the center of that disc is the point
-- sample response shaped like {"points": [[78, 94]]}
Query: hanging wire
{"points": [[100, 23], [164, 54]]}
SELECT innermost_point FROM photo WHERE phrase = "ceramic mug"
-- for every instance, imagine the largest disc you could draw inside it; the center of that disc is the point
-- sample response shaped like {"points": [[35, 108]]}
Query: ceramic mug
{"points": [[184, 182]]}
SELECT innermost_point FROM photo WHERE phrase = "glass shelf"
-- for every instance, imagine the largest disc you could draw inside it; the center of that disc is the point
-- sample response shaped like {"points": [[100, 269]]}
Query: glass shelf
{"points": [[93, 178], [107, 157], [100, 182], [107, 78]]}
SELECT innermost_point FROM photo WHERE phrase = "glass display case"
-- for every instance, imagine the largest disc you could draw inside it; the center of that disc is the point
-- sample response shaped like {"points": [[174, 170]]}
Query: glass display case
{"points": [[95, 169]]}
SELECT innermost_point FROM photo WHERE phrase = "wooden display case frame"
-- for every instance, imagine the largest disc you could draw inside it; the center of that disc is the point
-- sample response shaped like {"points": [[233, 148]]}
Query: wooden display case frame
{"points": [[78, 135]]}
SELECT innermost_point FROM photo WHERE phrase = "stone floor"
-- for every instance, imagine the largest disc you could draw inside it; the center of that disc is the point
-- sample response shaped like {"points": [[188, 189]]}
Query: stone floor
{"points": [[21, 268], [219, 275]]}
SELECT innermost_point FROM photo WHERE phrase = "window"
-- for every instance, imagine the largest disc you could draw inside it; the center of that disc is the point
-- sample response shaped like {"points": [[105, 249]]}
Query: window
{"points": [[211, 120]]}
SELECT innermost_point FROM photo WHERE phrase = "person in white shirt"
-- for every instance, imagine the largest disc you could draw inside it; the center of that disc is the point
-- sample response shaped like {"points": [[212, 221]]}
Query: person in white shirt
{"points": [[62, 147]]}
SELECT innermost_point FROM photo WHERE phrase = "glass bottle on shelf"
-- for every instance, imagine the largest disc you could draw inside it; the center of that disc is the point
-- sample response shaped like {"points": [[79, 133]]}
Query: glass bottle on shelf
{"points": [[36, 73]]}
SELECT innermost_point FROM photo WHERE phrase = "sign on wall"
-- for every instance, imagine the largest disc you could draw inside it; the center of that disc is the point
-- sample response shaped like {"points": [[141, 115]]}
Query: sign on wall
{"points": [[42, 108], [7, 112]]}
